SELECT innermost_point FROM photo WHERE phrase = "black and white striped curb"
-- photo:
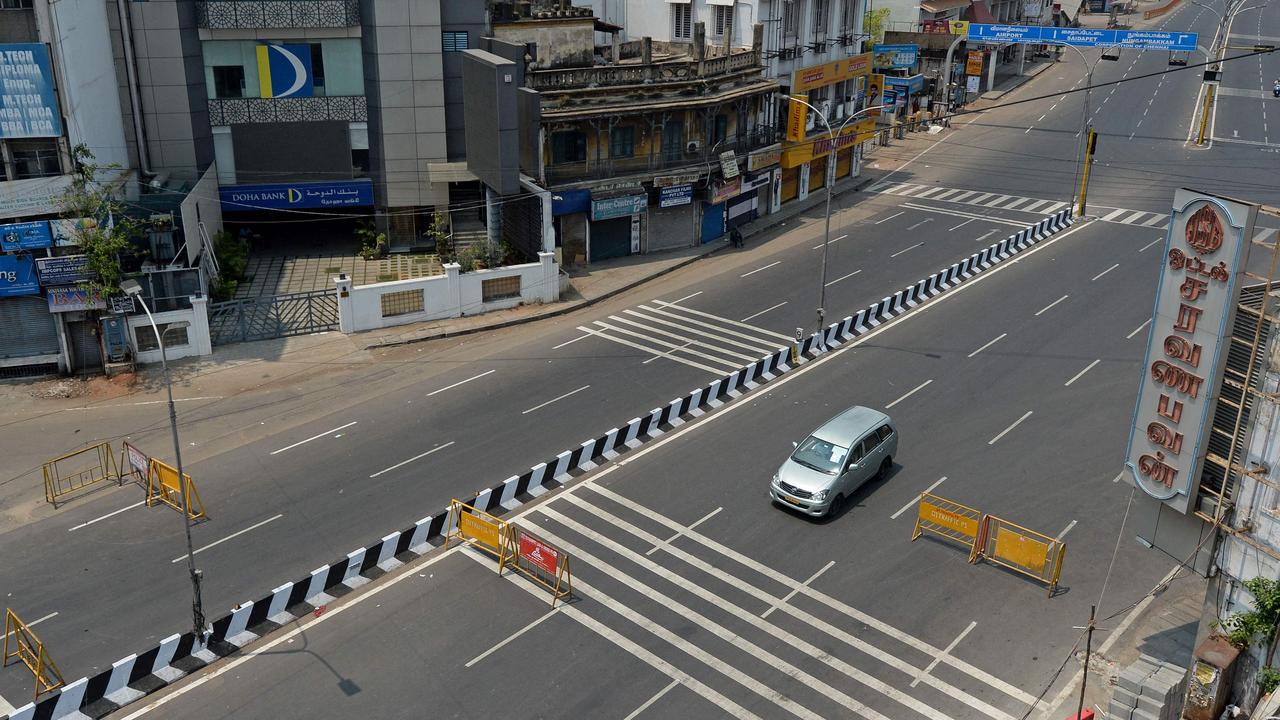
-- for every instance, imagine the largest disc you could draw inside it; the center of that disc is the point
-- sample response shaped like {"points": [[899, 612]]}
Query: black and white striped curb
{"points": [[136, 676]]}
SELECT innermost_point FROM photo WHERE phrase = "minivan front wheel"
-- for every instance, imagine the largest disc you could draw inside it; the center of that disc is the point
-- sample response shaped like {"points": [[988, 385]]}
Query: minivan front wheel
{"points": [[837, 504], [885, 467]]}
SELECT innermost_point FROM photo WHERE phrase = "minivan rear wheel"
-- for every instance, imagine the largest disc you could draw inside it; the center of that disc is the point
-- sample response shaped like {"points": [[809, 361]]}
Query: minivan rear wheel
{"points": [[885, 467], [837, 504]]}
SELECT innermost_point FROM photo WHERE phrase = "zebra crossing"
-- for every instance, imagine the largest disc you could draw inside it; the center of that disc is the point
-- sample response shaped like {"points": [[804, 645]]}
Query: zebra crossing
{"points": [[744, 636], [670, 331], [1143, 218]]}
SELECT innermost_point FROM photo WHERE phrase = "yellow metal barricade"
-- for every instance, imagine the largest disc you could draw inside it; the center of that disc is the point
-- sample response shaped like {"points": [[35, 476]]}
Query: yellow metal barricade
{"points": [[1033, 554], [543, 563], [950, 520], [78, 470], [28, 648], [163, 486], [480, 530]]}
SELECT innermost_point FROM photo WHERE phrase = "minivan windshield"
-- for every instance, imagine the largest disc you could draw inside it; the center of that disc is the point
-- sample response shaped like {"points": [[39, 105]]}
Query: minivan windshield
{"points": [[820, 455]]}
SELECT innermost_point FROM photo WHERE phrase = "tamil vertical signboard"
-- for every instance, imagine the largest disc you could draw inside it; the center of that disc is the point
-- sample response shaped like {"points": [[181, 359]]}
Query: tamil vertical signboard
{"points": [[1204, 258], [28, 98]]}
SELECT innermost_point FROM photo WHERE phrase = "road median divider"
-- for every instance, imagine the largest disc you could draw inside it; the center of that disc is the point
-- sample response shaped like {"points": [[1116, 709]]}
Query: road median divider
{"points": [[136, 676]]}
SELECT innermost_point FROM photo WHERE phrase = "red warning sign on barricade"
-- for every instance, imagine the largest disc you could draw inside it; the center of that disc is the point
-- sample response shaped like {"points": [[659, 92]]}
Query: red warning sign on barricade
{"points": [[545, 557]]}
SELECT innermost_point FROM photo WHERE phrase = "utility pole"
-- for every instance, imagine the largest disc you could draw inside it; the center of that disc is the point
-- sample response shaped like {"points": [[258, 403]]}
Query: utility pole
{"points": [[1229, 11], [1088, 651]]}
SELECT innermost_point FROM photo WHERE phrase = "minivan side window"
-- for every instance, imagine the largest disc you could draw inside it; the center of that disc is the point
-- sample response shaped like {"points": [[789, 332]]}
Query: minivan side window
{"points": [[856, 454], [885, 431]]}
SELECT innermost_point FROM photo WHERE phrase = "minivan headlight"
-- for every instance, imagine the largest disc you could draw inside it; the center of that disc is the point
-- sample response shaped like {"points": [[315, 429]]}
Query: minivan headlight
{"points": [[821, 495]]}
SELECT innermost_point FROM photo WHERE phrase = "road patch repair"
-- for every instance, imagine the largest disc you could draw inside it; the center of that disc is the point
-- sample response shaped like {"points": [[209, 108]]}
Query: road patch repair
{"points": [[135, 676]]}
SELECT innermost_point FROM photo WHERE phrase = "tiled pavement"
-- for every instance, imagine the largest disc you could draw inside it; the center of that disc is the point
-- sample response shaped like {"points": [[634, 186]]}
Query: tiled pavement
{"points": [[277, 275]]}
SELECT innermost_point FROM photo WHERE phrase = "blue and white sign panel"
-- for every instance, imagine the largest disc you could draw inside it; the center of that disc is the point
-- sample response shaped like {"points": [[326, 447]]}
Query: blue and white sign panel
{"points": [[675, 196], [1084, 37], [18, 276], [28, 99], [339, 193], [25, 236]]}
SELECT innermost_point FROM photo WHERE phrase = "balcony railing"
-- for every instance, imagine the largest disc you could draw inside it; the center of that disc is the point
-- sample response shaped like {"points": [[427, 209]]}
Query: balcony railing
{"points": [[238, 111], [653, 73], [704, 158], [270, 14]]}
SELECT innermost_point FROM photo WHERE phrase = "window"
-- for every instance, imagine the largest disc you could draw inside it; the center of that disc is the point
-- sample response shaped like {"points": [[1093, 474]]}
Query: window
{"points": [[681, 22], [622, 142], [721, 20], [673, 140], [402, 302], [859, 451], [820, 18], [568, 147], [228, 81], [15, 4], [359, 162], [884, 432], [719, 129], [848, 16], [36, 159], [791, 17], [317, 68], [146, 336], [455, 41]]}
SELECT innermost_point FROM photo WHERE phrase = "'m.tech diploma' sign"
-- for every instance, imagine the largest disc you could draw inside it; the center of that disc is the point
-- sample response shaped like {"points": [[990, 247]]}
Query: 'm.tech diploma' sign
{"points": [[1207, 249], [28, 101]]}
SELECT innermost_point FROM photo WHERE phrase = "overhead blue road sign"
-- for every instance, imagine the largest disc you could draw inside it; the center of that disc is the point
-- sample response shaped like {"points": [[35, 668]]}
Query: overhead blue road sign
{"points": [[1084, 37]]}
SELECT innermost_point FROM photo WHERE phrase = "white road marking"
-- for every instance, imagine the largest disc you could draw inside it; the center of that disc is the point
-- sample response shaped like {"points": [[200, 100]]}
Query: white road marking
{"points": [[415, 457], [913, 247], [911, 392], [753, 328], [1119, 475], [580, 337], [1138, 329], [659, 357], [462, 382], [136, 404], [1111, 216], [315, 437], [890, 217], [766, 267], [962, 214], [539, 407], [1105, 272], [672, 539], [1000, 337], [34, 623], [233, 535], [1024, 132], [795, 590], [834, 240], [916, 499], [660, 353], [686, 297], [697, 589], [1066, 530], [1153, 242], [682, 344], [922, 222], [842, 277], [1004, 432], [104, 517], [984, 236], [945, 651], [509, 638], [652, 700], [775, 307], [966, 222], [1055, 302], [1078, 375]]}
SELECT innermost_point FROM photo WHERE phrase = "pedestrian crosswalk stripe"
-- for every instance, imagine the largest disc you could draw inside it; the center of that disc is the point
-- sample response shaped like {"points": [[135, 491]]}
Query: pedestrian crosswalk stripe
{"points": [[756, 350], [684, 339], [737, 323], [1112, 215], [1129, 220], [929, 192], [1016, 203], [1155, 219], [946, 194]]}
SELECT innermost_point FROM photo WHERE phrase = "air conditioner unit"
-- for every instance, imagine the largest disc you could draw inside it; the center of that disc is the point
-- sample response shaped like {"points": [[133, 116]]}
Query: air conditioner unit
{"points": [[693, 147]]}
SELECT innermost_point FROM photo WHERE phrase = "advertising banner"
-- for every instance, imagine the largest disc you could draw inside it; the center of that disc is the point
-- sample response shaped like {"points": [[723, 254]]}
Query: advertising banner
{"points": [[894, 57], [25, 236], [675, 196], [69, 299], [797, 115], [28, 97], [616, 207], [68, 231], [875, 94], [1204, 257], [17, 276], [670, 180], [339, 193], [539, 554], [725, 190], [64, 270], [764, 158], [816, 76], [973, 63]]}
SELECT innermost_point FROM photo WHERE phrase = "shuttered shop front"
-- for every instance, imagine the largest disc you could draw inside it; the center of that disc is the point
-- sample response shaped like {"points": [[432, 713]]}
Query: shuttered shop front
{"points": [[27, 328]]}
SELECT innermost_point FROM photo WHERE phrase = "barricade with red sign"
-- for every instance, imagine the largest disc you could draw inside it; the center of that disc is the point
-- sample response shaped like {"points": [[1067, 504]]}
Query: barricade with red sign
{"points": [[134, 462], [543, 563]]}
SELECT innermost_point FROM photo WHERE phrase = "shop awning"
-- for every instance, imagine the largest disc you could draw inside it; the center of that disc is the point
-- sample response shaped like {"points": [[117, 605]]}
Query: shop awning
{"points": [[726, 3], [979, 13], [941, 6]]}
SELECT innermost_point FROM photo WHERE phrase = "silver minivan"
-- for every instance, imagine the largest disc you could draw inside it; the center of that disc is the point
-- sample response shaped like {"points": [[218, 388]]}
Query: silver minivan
{"points": [[829, 465]]}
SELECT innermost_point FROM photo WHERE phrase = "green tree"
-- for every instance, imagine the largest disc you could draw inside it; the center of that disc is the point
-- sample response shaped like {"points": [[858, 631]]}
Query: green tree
{"points": [[873, 24], [105, 231]]}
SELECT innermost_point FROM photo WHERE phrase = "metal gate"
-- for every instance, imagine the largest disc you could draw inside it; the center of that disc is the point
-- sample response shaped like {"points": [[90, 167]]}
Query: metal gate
{"points": [[273, 316]]}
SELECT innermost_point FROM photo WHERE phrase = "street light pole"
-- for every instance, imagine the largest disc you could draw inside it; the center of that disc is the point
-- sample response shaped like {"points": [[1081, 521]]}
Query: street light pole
{"points": [[131, 287], [826, 235]]}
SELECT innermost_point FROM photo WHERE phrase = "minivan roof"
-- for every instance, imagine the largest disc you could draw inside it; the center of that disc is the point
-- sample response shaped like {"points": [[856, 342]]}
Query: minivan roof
{"points": [[850, 425]]}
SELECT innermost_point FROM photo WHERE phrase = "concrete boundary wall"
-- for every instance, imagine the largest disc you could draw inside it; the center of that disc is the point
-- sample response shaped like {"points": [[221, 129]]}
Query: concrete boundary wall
{"points": [[136, 676]]}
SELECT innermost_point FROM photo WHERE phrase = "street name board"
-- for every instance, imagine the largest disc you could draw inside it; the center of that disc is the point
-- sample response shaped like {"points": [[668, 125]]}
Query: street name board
{"points": [[1084, 37]]}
